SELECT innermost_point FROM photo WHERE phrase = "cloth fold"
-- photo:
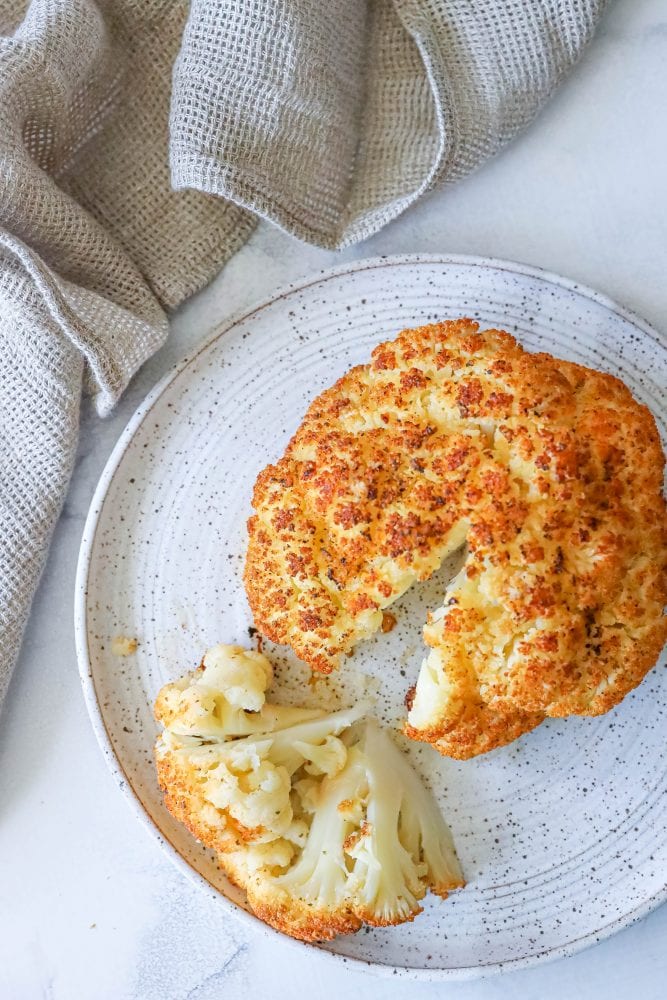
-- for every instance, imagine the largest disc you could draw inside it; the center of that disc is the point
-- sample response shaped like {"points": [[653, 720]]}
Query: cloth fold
{"points": [[121, 195], [331, 119]]}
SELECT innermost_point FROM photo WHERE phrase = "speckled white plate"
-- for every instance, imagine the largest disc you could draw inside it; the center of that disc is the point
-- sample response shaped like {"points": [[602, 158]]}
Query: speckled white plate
{"points": [[562, 835]]}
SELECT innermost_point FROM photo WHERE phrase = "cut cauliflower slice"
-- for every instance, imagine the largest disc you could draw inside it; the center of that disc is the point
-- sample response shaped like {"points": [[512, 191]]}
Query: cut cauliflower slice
{"points": [[375, 845], [319, 817]]}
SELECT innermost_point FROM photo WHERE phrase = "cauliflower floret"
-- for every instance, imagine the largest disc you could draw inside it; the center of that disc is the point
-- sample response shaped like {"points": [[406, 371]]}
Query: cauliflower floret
{"points": [[242, 674], [323, 821], [225, 697], [253, 791], [327, 758]]}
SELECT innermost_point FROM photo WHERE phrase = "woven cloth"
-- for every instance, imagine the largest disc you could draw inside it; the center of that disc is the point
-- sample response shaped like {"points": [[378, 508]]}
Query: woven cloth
{"points": [[140, 140]]}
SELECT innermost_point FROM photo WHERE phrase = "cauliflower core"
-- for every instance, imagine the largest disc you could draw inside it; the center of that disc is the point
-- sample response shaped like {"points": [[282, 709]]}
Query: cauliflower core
{"points": [[318, 817], [551, 474]]}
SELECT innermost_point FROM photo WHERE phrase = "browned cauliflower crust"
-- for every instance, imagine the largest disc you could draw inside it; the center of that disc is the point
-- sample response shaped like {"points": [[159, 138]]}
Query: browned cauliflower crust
{"points": [[549, 471], [319, 817]]}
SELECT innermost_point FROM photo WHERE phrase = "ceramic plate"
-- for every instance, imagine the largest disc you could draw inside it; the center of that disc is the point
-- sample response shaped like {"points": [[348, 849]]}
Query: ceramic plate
{"points": [[562, 835]]}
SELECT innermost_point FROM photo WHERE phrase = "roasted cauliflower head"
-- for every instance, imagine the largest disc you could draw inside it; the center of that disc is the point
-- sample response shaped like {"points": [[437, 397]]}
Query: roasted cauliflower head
{"points": [[318, 817], [548, 472]]}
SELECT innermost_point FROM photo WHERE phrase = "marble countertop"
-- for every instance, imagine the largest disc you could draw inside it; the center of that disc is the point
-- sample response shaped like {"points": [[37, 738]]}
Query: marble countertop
{"points": [[89, 907]]}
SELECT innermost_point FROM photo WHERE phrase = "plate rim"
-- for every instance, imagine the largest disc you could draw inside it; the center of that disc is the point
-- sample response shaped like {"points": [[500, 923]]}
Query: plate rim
{"points": [[81, 612]]}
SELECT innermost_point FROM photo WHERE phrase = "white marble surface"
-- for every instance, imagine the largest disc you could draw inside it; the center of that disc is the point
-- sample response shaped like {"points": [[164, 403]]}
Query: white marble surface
{"points": [[89, 908]]}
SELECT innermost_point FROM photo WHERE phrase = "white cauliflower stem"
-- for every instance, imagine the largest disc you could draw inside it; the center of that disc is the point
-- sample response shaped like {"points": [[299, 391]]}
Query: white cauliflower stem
{"points": [[320, 818]]}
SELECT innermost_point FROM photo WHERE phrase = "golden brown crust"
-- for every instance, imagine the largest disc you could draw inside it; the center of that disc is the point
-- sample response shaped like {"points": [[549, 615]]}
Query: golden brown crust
{"points": [[306, 921], [299, 920], [183, 796], [552, 473], [309, 924], [477, 729]]}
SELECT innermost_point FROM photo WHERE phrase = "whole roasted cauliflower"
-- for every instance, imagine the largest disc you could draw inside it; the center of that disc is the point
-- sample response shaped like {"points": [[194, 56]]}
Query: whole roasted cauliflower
{"points": [[318, 817], [549, 472]]}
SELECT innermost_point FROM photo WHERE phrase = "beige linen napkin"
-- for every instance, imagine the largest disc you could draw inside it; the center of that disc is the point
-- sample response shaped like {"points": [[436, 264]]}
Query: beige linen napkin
{"points": [[328, 118]]}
